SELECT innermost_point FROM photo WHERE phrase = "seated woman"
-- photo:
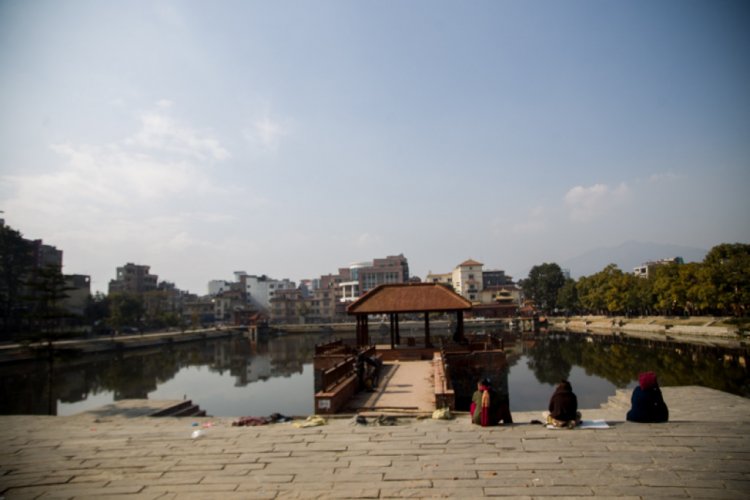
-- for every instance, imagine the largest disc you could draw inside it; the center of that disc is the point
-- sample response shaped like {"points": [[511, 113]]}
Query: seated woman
{"points": [[563, 407], [647, 403], [488, 407]]}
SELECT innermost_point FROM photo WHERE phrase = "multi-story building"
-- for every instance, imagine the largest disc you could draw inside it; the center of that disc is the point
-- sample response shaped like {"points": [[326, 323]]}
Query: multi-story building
{"points": [[392, 269], [644, 269], [78, 291], [133, 278], [215, 287], [443, 279], [325, 299], [261, 289], [467, 279]]}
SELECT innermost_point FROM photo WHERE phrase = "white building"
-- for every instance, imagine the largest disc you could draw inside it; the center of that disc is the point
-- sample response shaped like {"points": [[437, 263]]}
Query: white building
{"points": [[261, 289], [215, 287], [467, 279]]}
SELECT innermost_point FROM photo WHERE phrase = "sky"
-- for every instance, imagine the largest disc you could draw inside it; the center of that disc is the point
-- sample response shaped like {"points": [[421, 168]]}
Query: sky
{"points": [[294, 138]]}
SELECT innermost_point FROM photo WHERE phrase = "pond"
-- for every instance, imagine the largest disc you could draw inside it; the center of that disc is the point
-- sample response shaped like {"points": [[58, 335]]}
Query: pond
{"points": [[233, 377]]}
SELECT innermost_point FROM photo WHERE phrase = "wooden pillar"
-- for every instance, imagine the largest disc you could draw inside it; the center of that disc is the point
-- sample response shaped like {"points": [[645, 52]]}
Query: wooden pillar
{"points": [[393, 329], [359, 330], [398, 330], [460, 325], [366, 332], [427, 341]]}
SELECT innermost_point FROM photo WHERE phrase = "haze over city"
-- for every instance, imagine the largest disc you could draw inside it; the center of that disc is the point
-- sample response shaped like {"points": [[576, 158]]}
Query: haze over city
{"points": [[293, 138]]}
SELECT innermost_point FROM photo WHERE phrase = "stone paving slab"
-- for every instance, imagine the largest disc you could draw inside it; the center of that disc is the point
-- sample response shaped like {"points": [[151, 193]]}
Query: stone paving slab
{"points": [[704, 452]]}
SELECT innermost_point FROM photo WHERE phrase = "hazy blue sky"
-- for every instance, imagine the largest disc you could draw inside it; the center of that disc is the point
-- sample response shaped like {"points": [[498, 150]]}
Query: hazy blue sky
{"points": [[292, 138]]}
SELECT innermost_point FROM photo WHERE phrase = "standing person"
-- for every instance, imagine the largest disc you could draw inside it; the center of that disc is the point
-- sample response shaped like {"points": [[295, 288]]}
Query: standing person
{"points": [[563, 407], [647, 403]]}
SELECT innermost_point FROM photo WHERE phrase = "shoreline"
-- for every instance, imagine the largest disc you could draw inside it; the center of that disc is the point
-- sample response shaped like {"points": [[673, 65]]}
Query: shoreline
{"points": [[697, 330]]}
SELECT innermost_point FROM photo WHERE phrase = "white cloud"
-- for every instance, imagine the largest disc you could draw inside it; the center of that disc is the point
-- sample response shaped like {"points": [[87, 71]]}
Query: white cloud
{"points": [[160, 132], [588, 203], [129, 196], [266, 133]]}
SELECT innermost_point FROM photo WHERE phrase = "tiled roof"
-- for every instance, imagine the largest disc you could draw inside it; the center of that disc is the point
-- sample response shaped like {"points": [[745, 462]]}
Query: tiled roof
{"points": [[470, 262], [409, 297]]}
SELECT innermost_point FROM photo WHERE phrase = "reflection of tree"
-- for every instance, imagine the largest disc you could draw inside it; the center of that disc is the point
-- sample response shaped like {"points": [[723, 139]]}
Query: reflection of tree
{"points": [[621, 360], [549, 360]]}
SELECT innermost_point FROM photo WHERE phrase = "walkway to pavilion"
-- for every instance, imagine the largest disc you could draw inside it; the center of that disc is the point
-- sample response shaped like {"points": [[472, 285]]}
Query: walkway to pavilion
{"points": [[404, 387]]}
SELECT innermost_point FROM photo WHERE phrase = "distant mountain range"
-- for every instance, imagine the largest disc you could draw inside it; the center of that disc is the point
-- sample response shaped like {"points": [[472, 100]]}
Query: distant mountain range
{"points": [[627, 256]]}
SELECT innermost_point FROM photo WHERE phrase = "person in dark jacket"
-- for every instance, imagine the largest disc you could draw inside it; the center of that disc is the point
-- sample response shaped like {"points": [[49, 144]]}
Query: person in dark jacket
{"points": [[647, 403], [563, 407]]}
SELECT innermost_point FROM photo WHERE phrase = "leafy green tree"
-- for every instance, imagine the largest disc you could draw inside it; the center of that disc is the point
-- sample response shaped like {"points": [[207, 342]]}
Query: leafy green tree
{"points": [[46, 291], [543, 284], [567, 297], [125, 309], [593, 291], [665, 285], [16, 262], [97, 312], [729, 272]]}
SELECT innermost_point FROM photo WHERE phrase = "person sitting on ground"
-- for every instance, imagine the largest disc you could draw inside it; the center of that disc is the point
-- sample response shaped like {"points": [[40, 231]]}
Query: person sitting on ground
{"points": [[647, 403], [488, 407], [563, 407], [477, 408]]}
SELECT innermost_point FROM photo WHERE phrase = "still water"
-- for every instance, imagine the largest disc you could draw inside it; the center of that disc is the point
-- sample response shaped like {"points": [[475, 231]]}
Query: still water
{"points": [[233, 377]]}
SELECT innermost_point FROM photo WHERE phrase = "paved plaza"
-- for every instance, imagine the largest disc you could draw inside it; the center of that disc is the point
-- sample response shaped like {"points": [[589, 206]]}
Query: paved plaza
{"points": [[704, 452]]}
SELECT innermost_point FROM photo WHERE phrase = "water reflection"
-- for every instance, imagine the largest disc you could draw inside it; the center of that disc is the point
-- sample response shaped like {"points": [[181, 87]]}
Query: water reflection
{"points": [[234, 377]]}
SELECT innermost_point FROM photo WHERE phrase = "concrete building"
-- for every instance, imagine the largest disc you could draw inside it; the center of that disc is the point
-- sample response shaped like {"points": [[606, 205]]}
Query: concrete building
{"points": [[78, 292], [442, 278], [133, 278], [390, 270], [467, 279], [644, 269], [215, 287]]}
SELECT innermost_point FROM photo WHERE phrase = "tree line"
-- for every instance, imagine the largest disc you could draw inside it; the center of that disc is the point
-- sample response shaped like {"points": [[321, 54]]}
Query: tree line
{"points": [[719, 285]]}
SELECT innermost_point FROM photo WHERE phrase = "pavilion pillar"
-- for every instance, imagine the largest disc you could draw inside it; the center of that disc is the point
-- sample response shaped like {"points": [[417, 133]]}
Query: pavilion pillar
{"points": [[366, 332], [359, 330], [460, 325], [393, 329], [427, 341], [398, 330]]}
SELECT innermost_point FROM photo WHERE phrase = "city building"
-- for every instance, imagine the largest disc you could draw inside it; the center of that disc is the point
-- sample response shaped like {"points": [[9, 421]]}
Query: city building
{"points": [[644, 269], [261, 289], [215, 287], [467, 279], [77, 291], [325, 299], [443, 279], [133, 278]]}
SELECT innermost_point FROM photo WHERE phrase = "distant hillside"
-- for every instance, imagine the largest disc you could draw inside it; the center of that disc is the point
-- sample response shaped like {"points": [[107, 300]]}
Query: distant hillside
{"points": [[627, 256]]}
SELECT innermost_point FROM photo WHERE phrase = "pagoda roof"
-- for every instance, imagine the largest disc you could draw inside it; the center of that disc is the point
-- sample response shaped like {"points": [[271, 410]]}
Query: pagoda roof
{"points": [[409, 298]]}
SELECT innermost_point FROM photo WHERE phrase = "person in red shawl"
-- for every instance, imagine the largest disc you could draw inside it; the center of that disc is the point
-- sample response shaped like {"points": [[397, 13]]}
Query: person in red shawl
{"points": [[488, 407], [647, 403]]}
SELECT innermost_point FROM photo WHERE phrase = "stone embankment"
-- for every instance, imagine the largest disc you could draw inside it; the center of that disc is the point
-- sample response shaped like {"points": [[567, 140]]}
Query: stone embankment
{"points": [[703, 452], [665, 328], [12, 352]]}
